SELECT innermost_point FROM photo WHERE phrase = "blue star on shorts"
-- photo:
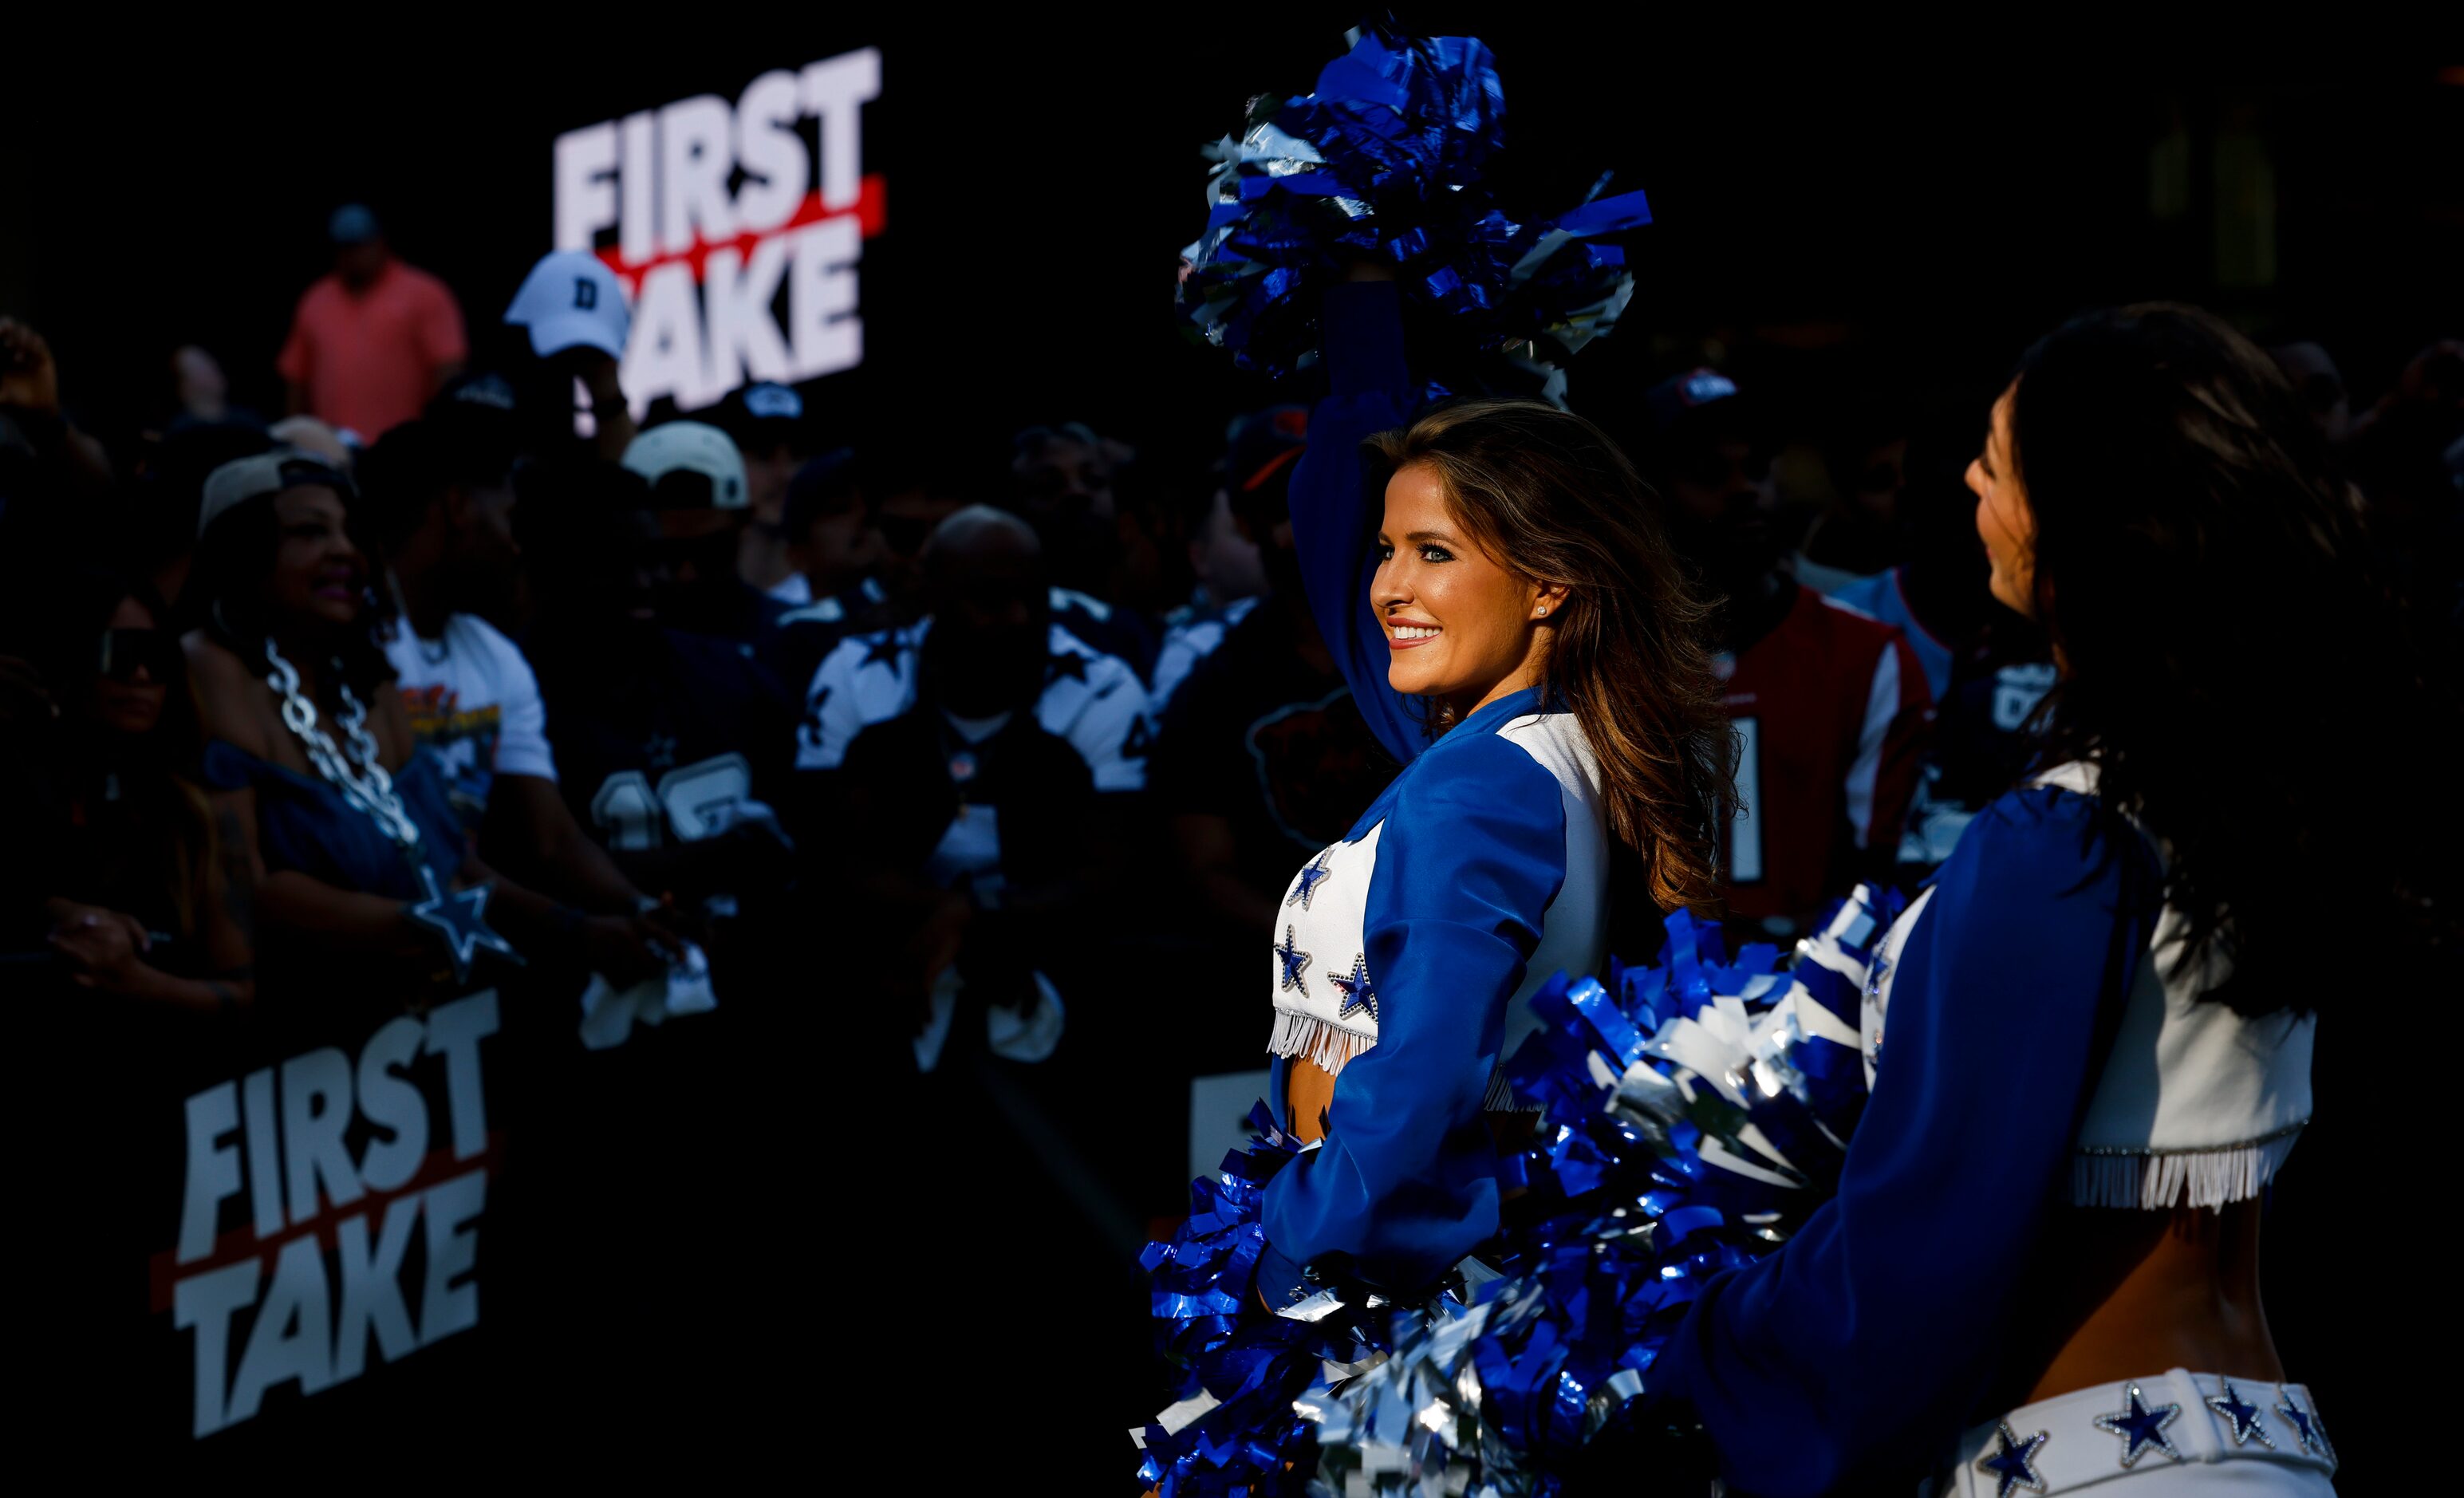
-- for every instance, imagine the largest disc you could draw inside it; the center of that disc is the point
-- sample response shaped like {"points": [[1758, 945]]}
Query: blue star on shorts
{"points": [[2141, 1426], [2305, 1423], [2015, 1466], [2242, 1418]]}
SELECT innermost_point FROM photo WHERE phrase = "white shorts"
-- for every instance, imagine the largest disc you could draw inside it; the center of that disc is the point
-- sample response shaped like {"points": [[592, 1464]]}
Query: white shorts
{"points": [[2172, 1433]]}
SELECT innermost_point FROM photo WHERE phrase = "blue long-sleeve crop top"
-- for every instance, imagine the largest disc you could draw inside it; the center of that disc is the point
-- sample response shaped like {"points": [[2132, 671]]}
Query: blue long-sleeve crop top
{"points": [[1865, 1343], [1405, 950]]}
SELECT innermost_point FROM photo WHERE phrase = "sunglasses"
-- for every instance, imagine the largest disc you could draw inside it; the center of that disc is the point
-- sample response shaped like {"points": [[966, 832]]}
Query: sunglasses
{"points": [[123, 651]]}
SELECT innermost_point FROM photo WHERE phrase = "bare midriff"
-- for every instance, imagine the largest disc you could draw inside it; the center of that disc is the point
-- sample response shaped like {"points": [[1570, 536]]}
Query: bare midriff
{"points": [[2122, 1294], [1308, 1091]]}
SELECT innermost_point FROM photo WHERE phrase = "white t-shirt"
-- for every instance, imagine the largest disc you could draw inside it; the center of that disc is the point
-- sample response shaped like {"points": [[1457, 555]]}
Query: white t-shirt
{"points": [[472, 698]]}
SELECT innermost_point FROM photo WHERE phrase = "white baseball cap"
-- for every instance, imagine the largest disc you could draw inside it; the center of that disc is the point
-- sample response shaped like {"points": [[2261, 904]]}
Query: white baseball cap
{"points": [[693, 447], [571, 300]]}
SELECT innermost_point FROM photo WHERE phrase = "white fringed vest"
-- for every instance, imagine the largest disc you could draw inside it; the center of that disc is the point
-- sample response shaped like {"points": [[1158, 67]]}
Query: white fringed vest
{"points": [[2196, 1106]]}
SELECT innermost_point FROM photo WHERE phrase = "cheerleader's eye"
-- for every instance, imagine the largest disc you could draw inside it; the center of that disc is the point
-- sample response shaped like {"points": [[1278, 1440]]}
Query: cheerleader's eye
{"points": [[1385, 552], [1436, 554]]}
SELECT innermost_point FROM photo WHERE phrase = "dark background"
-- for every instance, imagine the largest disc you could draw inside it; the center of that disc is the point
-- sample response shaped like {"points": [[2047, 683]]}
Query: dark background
{"points": [[1914, 214], [1904, 212]]}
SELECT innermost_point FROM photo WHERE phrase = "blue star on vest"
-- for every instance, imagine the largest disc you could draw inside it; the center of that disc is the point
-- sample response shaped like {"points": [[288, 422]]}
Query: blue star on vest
{"points": [[2141, 1426], [1306, 886], [461, 919], [1066, 663], [2305, 1423], [883, 650], [2242, 1420], [1357, 995], [2015, 1466], [1295, 962]]}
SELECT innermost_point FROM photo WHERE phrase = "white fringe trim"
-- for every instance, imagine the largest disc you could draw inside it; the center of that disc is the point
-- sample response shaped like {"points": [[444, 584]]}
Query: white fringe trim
{"points": [[1329, 1046], [2156, 1180]]}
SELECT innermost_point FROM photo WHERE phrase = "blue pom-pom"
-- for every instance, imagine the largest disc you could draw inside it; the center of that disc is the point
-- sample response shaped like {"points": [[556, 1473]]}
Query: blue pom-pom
{"points": [[1385, 159]]}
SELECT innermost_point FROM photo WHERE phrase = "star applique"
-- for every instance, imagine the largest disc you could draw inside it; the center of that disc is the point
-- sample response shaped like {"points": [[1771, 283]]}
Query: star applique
{"points": [[1357, 995], [2305, 1423], [2242, 1418], [2140, 1425], [1295, 962], [1313, 873], [460, 918], [1066, 663], [2015, 1466], [883, 650], [659, 751]]}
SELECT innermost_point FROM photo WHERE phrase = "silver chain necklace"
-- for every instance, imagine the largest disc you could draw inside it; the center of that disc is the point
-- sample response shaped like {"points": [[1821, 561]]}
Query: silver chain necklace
{"points": [[354, 771], [457, 918]]}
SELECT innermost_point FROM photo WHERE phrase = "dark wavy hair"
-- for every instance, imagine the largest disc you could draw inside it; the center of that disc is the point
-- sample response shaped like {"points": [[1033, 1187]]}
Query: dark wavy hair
{"points": [[1551, 497], [2244, 684]]}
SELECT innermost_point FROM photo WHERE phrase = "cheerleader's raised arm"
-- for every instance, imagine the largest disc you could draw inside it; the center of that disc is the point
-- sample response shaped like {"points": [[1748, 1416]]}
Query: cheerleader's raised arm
{"points": [[1335, 515]]}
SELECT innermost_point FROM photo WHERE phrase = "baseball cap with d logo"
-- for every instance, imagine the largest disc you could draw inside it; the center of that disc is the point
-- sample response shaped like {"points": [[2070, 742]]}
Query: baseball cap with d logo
{"points": [[571, 300]]}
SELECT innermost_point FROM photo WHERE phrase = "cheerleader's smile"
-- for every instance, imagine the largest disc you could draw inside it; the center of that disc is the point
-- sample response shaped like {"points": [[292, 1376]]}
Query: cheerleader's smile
{"points": [[1460, 625]]}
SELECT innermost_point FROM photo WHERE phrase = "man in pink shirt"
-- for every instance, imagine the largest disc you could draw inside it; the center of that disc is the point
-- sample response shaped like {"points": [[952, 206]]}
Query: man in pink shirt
{"points": [[373, 340]]}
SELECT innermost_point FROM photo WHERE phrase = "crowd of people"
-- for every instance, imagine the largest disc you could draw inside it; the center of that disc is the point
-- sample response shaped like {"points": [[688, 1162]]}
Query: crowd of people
{"points": [[455, 669]]}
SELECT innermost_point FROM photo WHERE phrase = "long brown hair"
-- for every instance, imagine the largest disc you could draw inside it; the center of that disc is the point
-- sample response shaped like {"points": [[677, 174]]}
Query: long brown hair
{"points": [[1551, 498]]}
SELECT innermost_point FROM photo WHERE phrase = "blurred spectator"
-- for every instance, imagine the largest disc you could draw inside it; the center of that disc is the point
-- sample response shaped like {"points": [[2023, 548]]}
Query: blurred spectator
{"points": [[1830, 706], [37, 437], [289, 631], [317, 439], [1985, 667], [145, 895], [200, 391], [2320, 384], [441, 499], [1264, 757], [1063, 486], [169, 492], [1857, 535], [569, 321], [2407, 454], [373, 339], [1263, 445], [673, 747], [959, 764], [768, 421], [832, 530], [700, 496]]}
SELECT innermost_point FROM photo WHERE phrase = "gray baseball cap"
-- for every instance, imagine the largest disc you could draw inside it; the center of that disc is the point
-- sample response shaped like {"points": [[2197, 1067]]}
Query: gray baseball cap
{"points": [[242, 479]]}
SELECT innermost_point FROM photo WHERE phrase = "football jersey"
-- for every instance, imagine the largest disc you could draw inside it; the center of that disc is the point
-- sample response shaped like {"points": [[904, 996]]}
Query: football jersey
{"points": [[681, 744], [1831, 711], [1091, 700], [1190, 636]]}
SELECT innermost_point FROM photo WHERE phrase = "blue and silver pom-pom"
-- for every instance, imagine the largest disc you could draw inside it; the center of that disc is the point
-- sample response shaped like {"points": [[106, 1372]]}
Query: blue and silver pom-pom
{"points": [[1695, 1112], [1235, 1428], [1386, 159]]}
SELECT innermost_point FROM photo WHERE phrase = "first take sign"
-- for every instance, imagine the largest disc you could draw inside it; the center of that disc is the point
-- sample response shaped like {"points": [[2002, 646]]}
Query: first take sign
{"points": [[735, 226]]}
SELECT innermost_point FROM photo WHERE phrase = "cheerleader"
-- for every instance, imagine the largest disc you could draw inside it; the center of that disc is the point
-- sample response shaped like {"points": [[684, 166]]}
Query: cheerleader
{"points": [[1518, 633], [2090, 1039]]}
